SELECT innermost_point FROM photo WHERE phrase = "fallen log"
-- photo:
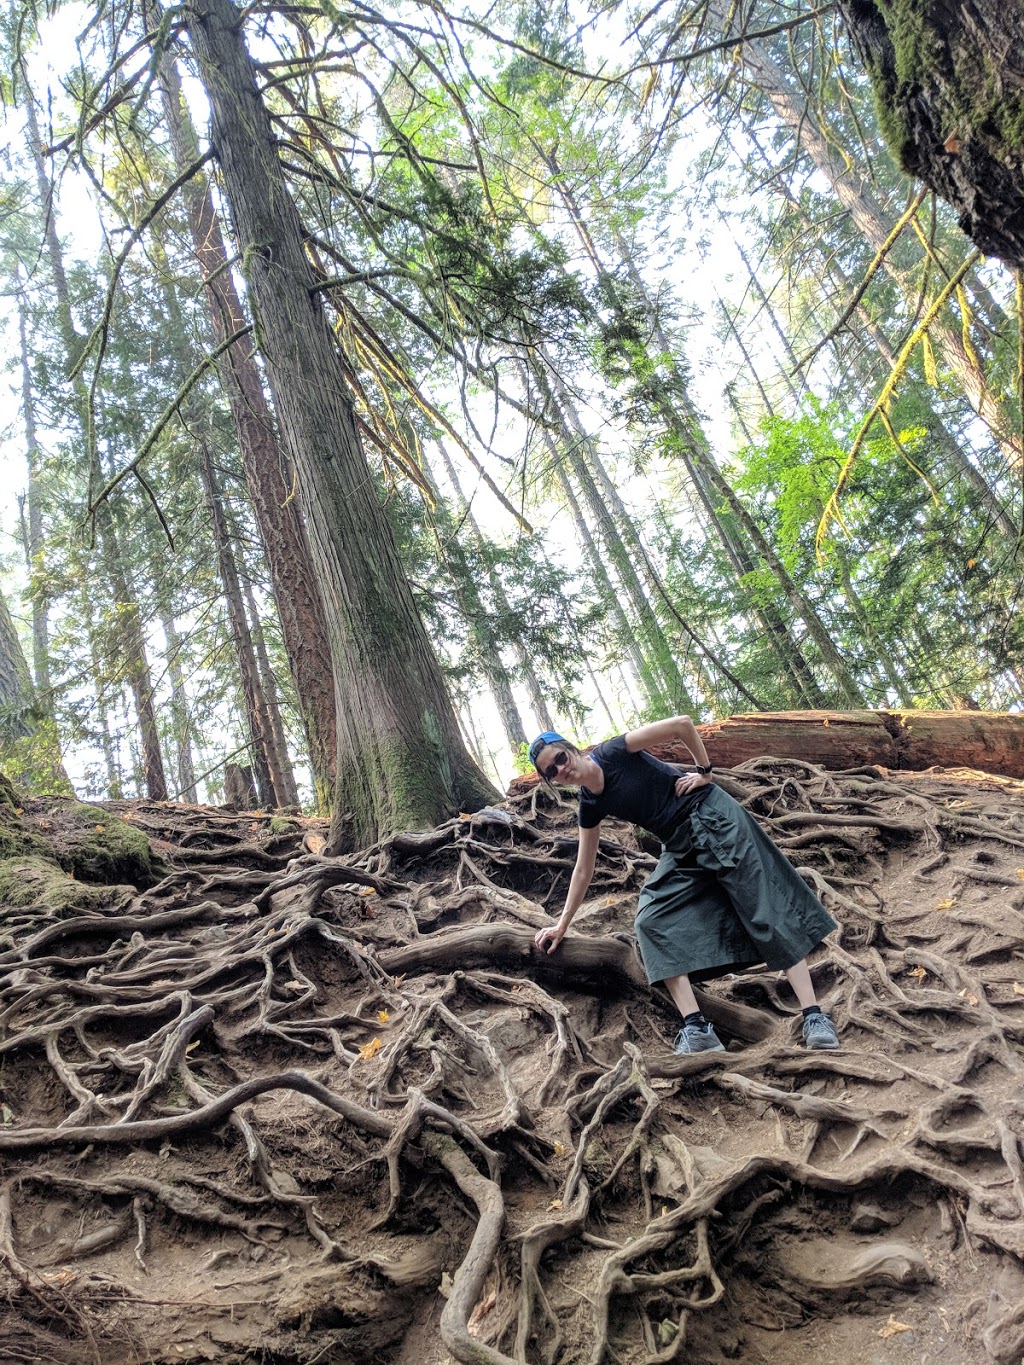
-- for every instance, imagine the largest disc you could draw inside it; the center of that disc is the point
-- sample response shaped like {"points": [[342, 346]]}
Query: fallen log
{"points": [[991, 741]]}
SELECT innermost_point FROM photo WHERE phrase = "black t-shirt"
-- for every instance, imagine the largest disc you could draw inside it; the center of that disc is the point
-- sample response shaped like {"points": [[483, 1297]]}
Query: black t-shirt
{"points": [[637, 787]]}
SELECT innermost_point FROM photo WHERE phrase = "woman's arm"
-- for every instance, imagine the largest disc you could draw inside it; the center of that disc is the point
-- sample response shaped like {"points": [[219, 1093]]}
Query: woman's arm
{"points": [[582, 875], [678, 730]]}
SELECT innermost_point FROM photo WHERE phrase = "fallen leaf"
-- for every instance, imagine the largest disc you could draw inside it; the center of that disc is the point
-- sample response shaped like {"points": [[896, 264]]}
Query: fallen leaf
{"points": [[383, 1017], [1018, 989], [893, 1328], [971, 563], [480, 1312], [61, 1278], [19, 810], [1019, 871], [947, 904], [192, 1046], [967, 995], [825, 722], [953, 144], [101, 828], [397, 980], [366, 891], [555, 1204], [918, 972], [370, 1049], [560, 1146]]}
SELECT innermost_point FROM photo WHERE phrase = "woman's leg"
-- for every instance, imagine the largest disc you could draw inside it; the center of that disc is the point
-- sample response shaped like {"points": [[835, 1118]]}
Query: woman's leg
{"points": [[681, 991], [800, 979]]}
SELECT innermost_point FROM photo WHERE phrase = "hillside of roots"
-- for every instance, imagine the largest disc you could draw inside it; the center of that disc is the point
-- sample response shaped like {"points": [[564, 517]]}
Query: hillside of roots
{"points": [[276, 1107]]}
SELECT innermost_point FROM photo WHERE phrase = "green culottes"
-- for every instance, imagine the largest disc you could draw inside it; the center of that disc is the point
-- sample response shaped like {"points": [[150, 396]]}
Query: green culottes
{"points": [[722, 897]]}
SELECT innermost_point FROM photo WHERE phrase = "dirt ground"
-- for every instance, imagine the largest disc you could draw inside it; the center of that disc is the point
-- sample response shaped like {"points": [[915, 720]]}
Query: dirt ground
{"points": [[284, 1108]]}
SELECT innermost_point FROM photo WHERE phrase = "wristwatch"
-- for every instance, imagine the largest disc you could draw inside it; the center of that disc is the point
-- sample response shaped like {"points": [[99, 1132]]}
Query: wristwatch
{"points": [[704, 771]]}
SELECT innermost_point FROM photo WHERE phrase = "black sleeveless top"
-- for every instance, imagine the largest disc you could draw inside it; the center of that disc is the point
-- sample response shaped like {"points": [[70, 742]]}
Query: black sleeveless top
{"points": [[637, 787]]}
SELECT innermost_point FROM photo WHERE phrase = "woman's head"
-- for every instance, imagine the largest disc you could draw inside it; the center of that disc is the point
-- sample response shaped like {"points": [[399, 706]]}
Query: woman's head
{"points": [[550, 754]]}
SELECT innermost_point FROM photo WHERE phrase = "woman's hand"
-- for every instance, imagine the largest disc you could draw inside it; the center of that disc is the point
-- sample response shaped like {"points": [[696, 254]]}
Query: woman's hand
{"points": [[689, 782], [547, 940]]}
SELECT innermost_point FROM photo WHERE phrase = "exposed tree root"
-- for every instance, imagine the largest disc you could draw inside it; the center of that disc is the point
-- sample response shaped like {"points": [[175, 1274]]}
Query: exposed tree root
{"points": [[349, 1084]]}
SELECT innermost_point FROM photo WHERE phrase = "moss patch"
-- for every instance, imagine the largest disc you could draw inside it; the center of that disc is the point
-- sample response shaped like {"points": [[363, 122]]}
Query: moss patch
{"points": [[36, 882], [280, 825], [97, 847], [15, 841]]}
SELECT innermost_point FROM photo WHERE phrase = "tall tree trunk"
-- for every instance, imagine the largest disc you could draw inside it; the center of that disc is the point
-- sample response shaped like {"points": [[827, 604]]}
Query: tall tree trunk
{"points": [[401, 759], [34, 546], [269, 781], [268, 472], [181, 721], [131, 651], [283, 763]]}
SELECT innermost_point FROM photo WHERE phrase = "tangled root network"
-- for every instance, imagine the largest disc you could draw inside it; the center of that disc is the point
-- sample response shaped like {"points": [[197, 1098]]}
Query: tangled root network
{"points": [[288, 1108]]}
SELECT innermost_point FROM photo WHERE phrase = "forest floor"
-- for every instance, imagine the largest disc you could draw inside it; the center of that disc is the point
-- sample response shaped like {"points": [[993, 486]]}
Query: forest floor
{"points": [[279, 1108]]}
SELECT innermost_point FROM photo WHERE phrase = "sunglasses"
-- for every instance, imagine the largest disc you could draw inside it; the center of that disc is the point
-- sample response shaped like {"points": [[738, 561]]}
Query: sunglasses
{"points": [[560, 760]]}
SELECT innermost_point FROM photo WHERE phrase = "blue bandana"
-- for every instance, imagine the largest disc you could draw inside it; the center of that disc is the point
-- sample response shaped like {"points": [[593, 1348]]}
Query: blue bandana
{"points": [[541, 742]]}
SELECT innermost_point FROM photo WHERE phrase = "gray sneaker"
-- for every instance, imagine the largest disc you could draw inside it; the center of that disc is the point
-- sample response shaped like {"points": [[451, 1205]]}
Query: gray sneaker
{"points": [[820, 1032], [697, 1038]]}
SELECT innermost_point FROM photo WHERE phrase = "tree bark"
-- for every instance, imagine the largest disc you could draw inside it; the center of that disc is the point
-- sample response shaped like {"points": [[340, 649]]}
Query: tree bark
{"points": [[268, 473], [948, 77], [401, 759], [15, 681]]}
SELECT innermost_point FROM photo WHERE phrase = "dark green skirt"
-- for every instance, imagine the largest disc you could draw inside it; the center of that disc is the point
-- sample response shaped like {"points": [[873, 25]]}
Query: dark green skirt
{"points": [[722, 897]]}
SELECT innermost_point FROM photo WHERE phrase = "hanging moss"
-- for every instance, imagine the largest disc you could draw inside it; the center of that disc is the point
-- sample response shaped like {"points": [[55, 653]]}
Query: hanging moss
{"points": [[39, 883]]}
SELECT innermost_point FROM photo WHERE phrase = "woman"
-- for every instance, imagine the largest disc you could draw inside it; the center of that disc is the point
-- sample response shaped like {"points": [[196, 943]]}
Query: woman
{"points": [[722, 895]]}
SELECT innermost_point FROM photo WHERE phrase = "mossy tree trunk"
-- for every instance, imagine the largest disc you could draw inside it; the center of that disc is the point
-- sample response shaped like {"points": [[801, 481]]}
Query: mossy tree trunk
{"points": [[401, 758], [948, 77]]}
